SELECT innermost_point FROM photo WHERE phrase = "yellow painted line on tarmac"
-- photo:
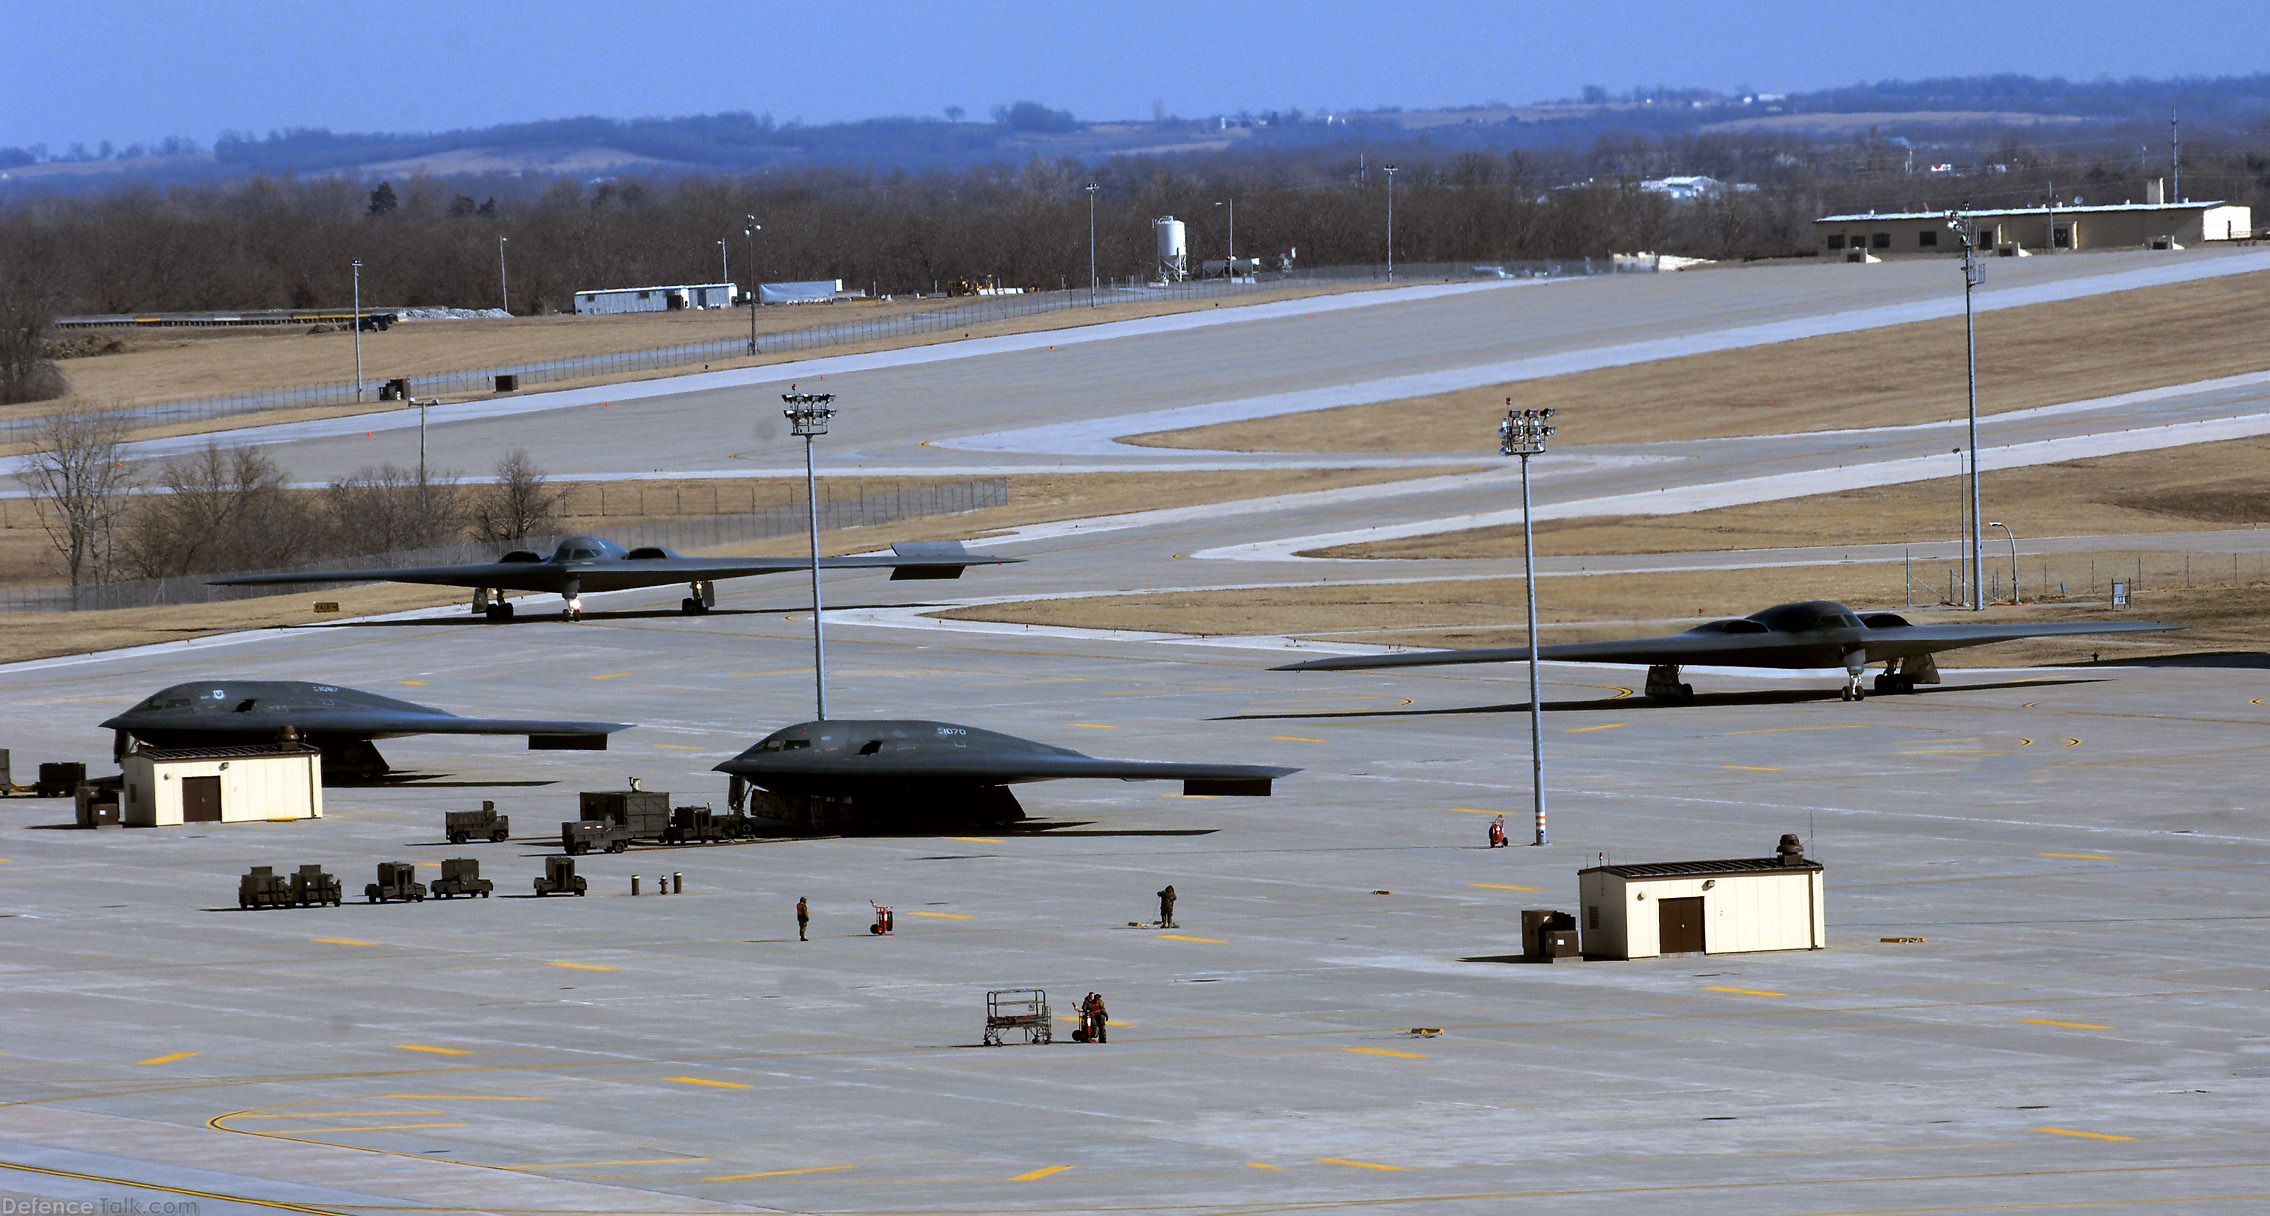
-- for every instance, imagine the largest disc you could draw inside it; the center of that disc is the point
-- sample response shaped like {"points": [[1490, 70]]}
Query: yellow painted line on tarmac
{"points": [[439, 1051], [1578, 730], [1500, 886], [2024, 742], [464, 1098], [1295, 739], [2067, 1025], [1361, 1165], [580, 966], [1094, 726], [612, 675], [814, 1169], [277, 1205], [1381, 1051], [2084, 856], [179, 1055], [943, 915], [412, 683], [1040, 1173], [569, 1165], [2071, 742], [341, 941], [1743, 991], [1177, 937], [679, 747], [1752, 768], [2067, 1131], [978, 839], [1263, 1165], [1950, 751], [379, 1127], [714, 1084], [337, 1114], [1477, 810]]}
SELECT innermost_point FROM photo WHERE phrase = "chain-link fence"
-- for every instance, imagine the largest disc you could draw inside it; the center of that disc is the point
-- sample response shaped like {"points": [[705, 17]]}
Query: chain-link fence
{"points": [[2115, 578], [980, 311], [909, 502]]}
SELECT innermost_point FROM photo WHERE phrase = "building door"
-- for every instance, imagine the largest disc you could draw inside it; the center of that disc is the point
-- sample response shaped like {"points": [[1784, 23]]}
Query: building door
{"points": [[1681, 925], [200, 799]]}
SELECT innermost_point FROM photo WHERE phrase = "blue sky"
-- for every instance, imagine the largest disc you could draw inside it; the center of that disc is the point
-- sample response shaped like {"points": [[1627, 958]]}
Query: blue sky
{"points": [[140, 71]]}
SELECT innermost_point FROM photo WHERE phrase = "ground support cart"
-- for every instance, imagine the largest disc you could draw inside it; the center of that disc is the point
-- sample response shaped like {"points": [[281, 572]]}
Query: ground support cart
{"points": [[1014, 1010]]}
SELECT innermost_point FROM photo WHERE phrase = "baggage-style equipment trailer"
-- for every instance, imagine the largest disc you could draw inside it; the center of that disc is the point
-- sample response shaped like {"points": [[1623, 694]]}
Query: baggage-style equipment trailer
{"points": [[397, 880], [461, 876], [262, 887], [483, 824], [312, 887], [1017, 1011], [560, 878]]}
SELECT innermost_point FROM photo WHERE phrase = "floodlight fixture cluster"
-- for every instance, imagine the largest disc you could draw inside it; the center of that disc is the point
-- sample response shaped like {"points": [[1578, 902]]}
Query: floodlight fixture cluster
{"points": [[1524, 432], [808, 413]]}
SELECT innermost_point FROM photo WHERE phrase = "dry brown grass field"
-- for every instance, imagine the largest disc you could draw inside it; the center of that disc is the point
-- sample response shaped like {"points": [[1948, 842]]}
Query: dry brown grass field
{"points": [[2038, 355]]}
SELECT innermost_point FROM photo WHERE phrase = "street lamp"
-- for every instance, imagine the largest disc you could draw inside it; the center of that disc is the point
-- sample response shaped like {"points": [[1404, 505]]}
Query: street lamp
{"points": [[1091, 188], [504, 286], [358, 332], [1390, 171], [2013, 557], [1964, 229], [808, 415], [750, 234], [1229, 269], [1523, 434]]}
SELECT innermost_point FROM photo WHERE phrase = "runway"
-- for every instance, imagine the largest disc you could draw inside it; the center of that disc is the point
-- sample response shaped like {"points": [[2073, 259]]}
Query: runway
{"points": [[2080, 851]]}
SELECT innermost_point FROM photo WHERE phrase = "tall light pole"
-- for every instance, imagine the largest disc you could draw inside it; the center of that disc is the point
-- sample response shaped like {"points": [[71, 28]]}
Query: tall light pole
{"points": [[808, 415], [1390, 171], [358, 332], [1091, 188], [750, 263], [1965, 228], [1229, 268], [1523, 434], [724, 268], [2013, 558], [504, 286]]}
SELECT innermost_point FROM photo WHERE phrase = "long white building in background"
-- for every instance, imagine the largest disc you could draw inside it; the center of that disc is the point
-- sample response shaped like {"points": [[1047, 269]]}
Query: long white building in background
{"points": [[656, 299]]}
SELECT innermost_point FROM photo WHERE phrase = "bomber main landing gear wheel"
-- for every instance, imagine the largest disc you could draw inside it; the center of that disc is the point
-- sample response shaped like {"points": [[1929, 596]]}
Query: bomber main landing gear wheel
{"points": [[499, 611], [692, 607]]}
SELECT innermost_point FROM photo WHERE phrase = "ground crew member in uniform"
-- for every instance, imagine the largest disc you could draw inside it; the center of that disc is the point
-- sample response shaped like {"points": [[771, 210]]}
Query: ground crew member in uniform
{"points": [[803, 917], [1497, 832], [1166, 907], [1097, 1017]]}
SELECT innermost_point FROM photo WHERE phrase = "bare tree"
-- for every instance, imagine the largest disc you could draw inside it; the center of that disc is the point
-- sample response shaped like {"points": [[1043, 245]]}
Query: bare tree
{"points": [[79, 484], [379, 510], [217, 509], [518, 504], [27, 308]]}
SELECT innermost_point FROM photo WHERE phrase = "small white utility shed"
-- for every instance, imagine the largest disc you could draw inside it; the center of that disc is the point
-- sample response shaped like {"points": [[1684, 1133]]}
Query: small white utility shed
{"points": [[252, 783], [1703, 907]]}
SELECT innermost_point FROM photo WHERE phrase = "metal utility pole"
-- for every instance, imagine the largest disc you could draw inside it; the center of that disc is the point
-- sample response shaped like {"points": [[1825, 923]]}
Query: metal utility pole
{"points": [[1091, 188], [2013, 557], [1229, 268], [808, 415], [504, 286], [1964, 228], [358, 333], [1390, 171], [1523, 434], [724, 268], [755, 292]]}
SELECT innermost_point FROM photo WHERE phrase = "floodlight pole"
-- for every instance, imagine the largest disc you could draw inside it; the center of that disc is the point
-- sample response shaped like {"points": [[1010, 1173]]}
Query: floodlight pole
{"points": [[808, 415], [1390, 171], [358, 332], [1523, 434], [1091, 188], [1229, 268], [504, 285], [1964, 227], [724, 267], [2013, 557], [754, 289]]}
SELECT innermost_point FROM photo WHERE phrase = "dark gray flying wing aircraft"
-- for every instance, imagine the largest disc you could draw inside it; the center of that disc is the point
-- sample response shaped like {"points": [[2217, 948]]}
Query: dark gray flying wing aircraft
{"points": [[592, 563], [918, 775], [340, 721], [1817, 633]]}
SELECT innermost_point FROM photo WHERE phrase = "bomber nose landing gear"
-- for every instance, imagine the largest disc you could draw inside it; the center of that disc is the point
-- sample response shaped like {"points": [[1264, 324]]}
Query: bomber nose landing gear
{"points": [[704, 598]]}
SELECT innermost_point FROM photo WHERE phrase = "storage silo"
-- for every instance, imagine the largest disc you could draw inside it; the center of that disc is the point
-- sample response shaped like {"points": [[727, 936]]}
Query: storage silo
{"points": [[1174, 253]]}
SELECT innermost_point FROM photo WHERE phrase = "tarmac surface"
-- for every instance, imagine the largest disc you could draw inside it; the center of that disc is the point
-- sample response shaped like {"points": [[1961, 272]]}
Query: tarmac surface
{"points": [[2080, 850]]}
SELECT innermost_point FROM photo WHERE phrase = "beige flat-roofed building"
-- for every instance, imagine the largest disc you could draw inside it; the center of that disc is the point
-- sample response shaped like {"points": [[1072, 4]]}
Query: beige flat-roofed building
{"points": [[1703, 907], [2036, 229], [169, 786]]}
